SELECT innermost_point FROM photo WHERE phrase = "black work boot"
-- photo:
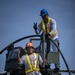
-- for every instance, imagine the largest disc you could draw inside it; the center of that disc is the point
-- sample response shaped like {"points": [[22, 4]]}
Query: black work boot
{"points": [[56, 69]]}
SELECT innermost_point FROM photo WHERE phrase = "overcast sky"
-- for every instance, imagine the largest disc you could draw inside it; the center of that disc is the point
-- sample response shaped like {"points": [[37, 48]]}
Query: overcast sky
{"points": [[18, 16]]}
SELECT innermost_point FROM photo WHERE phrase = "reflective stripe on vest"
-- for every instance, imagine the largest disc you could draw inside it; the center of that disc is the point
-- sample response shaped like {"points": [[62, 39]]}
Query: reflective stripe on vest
{"points": [[44, 27], [34, 67]]}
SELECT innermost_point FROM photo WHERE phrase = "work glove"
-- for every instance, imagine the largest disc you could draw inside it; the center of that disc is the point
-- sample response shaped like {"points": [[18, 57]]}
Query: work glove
{"points": [[35, 26], [47, 36]]}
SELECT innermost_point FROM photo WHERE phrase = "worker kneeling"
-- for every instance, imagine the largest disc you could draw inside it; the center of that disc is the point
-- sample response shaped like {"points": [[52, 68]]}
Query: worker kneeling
{"points": [[31, 60]]}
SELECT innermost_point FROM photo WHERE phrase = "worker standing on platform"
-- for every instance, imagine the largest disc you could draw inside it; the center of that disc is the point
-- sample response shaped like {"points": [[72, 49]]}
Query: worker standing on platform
{"points": [[31, 60], [48, 26]]}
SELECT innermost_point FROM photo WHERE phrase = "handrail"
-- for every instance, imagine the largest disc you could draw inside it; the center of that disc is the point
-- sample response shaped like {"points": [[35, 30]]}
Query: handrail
{"points": [[51, 70]]}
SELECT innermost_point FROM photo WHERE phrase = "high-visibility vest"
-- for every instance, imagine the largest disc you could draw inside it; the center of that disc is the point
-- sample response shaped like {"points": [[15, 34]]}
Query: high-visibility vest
{"points": [[46, 29], [31, 67]]}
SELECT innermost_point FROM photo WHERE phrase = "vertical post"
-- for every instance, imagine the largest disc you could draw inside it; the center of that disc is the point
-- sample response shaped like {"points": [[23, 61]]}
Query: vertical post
{"points": [[47, 46], [43, 46], [8, 73]]}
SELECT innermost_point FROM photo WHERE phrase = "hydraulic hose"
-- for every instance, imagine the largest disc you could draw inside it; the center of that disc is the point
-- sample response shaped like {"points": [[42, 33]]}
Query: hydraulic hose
{"points": [[62, 56], [18, 41]]}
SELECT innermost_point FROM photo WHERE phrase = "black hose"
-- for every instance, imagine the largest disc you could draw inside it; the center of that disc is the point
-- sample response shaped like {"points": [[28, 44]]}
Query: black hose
{"points": [[62, 56], [18, 41]]}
